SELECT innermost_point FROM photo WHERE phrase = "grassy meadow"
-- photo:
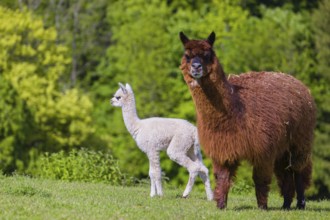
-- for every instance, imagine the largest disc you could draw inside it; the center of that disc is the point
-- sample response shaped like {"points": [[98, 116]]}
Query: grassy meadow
{"points": [[26, 198]]}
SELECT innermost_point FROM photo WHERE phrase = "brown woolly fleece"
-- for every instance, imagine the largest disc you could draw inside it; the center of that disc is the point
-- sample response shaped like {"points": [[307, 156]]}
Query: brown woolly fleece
{"points": [[266, 118]]}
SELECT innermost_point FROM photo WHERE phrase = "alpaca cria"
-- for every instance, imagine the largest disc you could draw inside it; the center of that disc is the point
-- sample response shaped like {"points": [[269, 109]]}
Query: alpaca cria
{"points": [[266, 118], [178, 137]]}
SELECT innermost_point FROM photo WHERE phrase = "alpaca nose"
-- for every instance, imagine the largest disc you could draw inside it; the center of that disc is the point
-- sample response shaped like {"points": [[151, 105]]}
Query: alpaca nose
{"points": [[196, 65]]}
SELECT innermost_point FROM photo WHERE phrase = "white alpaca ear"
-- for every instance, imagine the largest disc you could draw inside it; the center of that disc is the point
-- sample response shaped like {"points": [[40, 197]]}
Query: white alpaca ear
{"points": [[129, 88], [122, 88]]}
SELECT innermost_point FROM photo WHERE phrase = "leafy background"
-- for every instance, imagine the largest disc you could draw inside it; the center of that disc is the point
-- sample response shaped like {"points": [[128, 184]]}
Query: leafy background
{"points": [[61, 61]]}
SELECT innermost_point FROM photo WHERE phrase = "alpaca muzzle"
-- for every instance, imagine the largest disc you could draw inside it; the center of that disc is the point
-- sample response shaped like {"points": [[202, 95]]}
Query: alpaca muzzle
{"points": [[113, 101], [196, 69]]}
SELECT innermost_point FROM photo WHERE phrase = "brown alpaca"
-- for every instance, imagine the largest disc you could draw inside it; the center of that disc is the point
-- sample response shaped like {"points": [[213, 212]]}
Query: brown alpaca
{"points": [[265, 118]]}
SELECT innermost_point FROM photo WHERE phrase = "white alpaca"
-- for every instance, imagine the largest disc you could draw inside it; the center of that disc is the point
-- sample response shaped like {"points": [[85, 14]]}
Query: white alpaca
{"points": [[152, 135]]}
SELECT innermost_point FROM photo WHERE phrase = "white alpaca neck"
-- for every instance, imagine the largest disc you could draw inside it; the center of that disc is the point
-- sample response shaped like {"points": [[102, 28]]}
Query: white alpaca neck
{"points": [[130, 116]]}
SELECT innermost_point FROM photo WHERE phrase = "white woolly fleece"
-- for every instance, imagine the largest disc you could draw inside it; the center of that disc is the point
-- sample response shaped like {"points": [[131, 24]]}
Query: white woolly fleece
{"points": [[178, 137]]}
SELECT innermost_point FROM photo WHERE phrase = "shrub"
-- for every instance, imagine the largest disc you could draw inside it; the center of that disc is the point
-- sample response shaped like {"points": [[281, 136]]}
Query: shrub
{"points": [[241, 187], [79, 165]]}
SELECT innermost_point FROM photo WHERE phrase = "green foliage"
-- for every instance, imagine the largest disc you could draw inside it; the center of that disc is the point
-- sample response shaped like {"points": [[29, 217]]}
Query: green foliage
{"points": [[283, 47], [321, 29], [79, 165], [36, 113], [142, 56], [81, 27], [254, 6], [241, 188]]}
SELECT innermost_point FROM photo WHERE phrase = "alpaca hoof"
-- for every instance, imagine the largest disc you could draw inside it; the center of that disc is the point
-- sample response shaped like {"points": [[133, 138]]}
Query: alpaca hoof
{"points": [[286, 206], [185, 197], [181, 196], [301, 205], [210, 198], [221, 205], [263, 207]]}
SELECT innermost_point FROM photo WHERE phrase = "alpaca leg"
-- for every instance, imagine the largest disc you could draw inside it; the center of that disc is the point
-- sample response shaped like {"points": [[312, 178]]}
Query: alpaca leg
{"points": [[153, 185], [192, 167], [178, 155], [287, 188], [203, 173], [190, 184], [285, 180], [196, 155], [223, 176], [301, 203], [262, 177], [155, 174], [206, 180], [302, 181]]}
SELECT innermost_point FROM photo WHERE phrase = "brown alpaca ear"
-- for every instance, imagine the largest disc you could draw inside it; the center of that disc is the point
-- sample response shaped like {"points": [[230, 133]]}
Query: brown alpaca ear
{"points": [[184, 39], [211, 38]]}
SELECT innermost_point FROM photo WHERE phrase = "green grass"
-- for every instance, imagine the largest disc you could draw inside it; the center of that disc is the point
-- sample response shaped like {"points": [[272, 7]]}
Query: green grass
{"points": [[26, 198]]}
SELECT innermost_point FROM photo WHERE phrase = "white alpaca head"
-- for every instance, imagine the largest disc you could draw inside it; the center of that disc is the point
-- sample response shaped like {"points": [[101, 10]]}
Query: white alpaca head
{"points": [[122, 95]]}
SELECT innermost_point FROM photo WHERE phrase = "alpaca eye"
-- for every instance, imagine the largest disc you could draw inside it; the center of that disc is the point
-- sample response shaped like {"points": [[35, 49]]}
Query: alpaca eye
{"points": [[187, 57], [118, 97], [207, 56]]}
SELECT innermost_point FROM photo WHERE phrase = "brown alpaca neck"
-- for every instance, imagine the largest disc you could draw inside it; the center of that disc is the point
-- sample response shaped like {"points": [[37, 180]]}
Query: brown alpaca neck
{"points": [[214, 96]]}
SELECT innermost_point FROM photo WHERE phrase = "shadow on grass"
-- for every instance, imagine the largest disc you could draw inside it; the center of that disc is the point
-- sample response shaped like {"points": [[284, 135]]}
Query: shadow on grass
{"points": [[308, 209], [318, 209], [179, 196]]}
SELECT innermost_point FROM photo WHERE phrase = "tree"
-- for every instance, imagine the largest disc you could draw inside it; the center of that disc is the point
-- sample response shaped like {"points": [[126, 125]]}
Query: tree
{"points": [[321, 27], [36, 114], [81, 26], [321, 30], [293, 5], [276, 42]]}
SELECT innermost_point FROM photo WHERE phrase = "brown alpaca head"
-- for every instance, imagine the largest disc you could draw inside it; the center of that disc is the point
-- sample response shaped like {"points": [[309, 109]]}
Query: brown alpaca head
{"points": [[198, 56]]}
